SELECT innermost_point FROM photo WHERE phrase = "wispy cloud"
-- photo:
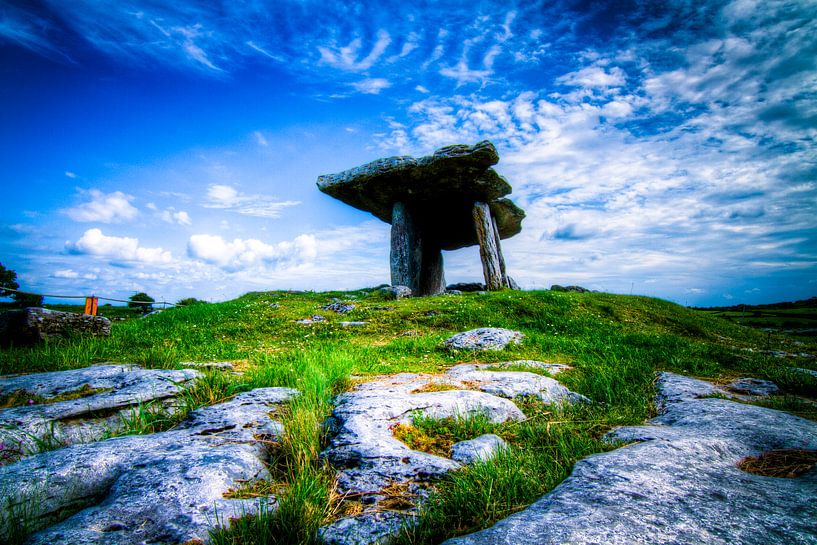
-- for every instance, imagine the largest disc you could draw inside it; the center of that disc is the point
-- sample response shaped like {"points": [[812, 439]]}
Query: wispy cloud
{"points": [[103, 207], [371, 86], [229, 198], [348, 57]]}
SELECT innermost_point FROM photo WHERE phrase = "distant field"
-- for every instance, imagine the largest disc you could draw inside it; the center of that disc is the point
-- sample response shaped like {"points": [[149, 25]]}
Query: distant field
{"points": [[798, 318]]}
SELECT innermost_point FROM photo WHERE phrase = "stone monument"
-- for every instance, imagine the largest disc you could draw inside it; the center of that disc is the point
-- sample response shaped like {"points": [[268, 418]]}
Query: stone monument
{"points": [[445, 201]]}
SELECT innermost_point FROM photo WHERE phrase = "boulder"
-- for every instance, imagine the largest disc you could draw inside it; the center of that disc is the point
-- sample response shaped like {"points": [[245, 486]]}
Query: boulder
{"points": [[480, 449], [163, 488], [677, 481], [485, 338], [466, 286], [29, 326], [340, 308], [396, 292], [576, 289]]}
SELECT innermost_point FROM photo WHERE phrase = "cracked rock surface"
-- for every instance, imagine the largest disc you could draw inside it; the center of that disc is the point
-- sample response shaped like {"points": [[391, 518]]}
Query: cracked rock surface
{"points": [[87, 418], [678, 483], [162, 488], [369, 458]]}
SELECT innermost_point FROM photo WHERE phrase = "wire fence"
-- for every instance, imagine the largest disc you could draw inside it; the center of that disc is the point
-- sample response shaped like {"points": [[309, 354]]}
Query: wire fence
{"points": [[128, 301]]}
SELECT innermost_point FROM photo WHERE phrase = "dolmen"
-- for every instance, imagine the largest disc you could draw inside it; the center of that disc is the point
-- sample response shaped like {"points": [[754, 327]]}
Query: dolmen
{"points": [[448, 200]]}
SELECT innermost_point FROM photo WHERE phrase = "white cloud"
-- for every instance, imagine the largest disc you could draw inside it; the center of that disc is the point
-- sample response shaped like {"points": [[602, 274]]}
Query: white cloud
{"points": [[229, 198], [171, 215], [242, 254], [346, 58], [594, 77], [66, 273], [70, 174], [104, 208], [371, 86], [259, 137], [123, 250]]}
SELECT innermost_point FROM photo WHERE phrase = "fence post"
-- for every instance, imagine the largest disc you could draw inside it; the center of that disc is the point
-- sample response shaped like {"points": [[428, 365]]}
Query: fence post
{"points": [[91, 305]]}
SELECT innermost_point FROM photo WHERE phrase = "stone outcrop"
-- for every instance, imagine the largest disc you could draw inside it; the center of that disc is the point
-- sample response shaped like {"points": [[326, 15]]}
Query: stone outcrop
{"points": [[484, 338], [29, 326], [370, 459], [115, 390], [163, 488], [445, 201], [677, 481]]}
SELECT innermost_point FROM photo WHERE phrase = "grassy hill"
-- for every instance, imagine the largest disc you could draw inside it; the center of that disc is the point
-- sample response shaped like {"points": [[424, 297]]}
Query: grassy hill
{"points": [[614, 344]]}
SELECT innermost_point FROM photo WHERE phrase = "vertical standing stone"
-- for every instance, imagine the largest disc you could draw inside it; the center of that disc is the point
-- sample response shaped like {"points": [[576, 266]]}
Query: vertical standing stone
{"points": [[432, 277], [406, 250], [487, 246], [504, 273]]}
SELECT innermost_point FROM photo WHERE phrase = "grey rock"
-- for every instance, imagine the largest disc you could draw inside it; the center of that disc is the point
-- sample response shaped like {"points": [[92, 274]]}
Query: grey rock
{"points": [[368, 456], [220, 365], [479, 449], [512, 284], [88, 418], [453, 292], [811, 372], [376, 527], [340, 308], [396, 292], [162, 488], [467, 286], [311, 320], [577, 289], [29, 326], [753, 387], [486, 338], [512, 384], [352, 324], [679, 483]]}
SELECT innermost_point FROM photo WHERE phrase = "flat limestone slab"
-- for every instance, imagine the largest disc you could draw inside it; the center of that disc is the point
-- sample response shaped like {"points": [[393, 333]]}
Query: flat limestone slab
{"points": [[439, 190], [370, 459], [162, 488], [678, 483], [84, 419]]}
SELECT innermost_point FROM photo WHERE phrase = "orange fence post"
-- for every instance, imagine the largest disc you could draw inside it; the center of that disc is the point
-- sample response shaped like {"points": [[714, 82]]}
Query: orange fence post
{"points": [[91, 304]]}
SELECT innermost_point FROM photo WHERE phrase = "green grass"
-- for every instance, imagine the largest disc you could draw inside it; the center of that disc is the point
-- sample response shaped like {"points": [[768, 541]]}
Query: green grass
{"points": [[614, 344]]}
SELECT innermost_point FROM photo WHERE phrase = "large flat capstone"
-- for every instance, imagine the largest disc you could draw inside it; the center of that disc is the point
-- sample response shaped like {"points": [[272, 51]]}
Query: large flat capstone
{"points": [[439, 190], [163, 488], [678, 482]]}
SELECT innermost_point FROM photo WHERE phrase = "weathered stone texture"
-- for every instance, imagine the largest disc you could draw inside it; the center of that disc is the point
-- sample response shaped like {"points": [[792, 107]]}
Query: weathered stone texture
{"points": [[678, 483], [162, 488], [30, 326]]}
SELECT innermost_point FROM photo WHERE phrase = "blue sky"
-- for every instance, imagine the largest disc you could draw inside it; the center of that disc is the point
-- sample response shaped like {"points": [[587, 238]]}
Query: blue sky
{"points": [[665, 149]]}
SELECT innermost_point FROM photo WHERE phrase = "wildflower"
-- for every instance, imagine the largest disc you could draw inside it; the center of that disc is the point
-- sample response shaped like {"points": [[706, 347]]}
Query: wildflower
{"points": [[31, 402]]}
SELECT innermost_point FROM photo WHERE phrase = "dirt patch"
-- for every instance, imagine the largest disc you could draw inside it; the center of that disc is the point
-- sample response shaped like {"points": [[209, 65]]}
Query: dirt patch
{"points": [[787, 463]]}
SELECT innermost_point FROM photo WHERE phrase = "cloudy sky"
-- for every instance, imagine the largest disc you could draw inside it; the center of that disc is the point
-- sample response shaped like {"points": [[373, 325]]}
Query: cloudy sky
{"points": [[658, 148]]}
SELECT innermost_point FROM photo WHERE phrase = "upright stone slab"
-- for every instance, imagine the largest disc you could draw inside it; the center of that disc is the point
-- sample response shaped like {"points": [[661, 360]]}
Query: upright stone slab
{"points": [[406, 259], [430, 203], [488, 250]]}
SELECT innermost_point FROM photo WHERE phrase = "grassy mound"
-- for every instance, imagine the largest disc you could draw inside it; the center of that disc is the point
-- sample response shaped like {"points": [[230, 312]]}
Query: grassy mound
{"points": [[614, 344]]}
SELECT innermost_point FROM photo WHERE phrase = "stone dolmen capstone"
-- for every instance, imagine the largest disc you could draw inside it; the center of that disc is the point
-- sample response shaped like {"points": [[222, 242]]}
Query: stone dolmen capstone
{"points": [[445, 201]]}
